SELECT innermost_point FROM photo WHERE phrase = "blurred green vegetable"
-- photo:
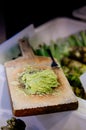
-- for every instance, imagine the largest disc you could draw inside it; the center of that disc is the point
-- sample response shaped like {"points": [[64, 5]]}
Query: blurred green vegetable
{"points": [[83, 37], [73, 69], [14, 124], [71, 54], [78, 39]]}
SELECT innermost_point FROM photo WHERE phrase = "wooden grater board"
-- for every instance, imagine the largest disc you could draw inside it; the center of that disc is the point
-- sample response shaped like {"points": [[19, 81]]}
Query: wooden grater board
{"points": [[25, 105]]}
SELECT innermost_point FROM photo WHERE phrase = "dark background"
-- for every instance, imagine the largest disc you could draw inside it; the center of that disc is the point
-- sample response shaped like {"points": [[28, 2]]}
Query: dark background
{"points": [[17, 16]]}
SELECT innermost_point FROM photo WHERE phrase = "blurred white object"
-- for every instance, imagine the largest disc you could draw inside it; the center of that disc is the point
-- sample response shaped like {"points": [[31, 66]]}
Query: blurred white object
{"points": [[80, 13], [83, 80], [54, 29]]}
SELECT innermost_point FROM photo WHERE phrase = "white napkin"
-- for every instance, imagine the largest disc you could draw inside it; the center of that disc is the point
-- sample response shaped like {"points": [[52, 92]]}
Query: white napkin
{"points": [[31, 122]]}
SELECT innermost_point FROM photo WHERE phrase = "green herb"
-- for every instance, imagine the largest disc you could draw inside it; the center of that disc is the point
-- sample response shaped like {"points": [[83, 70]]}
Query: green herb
{"points": [[14, 124]]}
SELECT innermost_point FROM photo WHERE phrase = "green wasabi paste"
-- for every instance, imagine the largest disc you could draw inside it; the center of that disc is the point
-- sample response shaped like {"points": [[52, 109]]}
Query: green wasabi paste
{"points": [[38, 81]]}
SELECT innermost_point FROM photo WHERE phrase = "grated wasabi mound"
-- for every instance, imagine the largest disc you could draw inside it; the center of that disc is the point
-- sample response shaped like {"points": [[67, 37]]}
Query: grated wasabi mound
{"points": [[38, 81]]}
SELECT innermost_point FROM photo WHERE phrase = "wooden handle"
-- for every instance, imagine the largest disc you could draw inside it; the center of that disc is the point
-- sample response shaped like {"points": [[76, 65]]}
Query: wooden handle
{"points": [[25, 47]]}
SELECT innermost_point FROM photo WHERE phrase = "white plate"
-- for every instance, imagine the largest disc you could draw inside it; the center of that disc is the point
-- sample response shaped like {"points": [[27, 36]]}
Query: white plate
{"points": [[80, 13], [72, 120], [57, 28]]}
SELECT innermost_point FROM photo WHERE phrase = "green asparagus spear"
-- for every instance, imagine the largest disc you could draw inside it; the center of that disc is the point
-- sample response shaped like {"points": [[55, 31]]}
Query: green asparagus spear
{"points": [[83, 36], [78, 42]]}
